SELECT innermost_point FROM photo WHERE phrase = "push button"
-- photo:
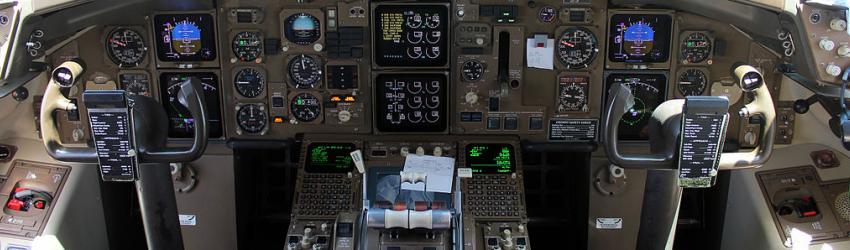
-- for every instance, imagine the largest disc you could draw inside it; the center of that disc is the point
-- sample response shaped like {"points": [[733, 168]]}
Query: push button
{"points": [[494, 123], [511, 123]]}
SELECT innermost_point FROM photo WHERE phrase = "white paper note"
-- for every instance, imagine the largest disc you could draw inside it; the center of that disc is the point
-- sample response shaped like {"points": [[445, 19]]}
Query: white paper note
{"points": [[540, 57], [439, 171]]}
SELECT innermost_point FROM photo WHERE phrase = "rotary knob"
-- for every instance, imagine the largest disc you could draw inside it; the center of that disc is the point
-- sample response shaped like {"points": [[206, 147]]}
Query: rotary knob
{"points": [[420, 151], [833, 69], [438, 151], [826, 44], [750, 138], [837, 24], [471, 97], [344, 115], [844, 51]]}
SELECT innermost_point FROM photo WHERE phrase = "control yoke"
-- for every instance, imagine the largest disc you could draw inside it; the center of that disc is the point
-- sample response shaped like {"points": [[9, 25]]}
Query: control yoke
{"points": [[665, 126], [66, 75]]}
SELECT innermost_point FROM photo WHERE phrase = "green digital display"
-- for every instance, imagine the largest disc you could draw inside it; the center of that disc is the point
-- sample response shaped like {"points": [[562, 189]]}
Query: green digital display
{"points": [[329, 158], [490, 158]]}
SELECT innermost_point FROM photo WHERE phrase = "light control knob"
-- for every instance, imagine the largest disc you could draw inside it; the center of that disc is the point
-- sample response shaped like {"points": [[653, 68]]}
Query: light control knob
{"points": [[471, 97], [507, 241], [324, 227], [344, 115], [837, 24], [404, 151], [750, 138], [77, 134], [420, 151], [826, 44], [521, 228], [844, 51], [438, 151], [833, 70]]}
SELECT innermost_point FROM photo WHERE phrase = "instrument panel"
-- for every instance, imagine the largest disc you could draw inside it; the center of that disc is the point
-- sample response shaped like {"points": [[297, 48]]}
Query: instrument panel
{"points": [[273, 70]]}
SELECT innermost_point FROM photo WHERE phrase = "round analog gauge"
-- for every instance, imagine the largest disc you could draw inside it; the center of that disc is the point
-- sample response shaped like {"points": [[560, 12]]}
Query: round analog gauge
{"points": [[472, 70], [644, 96], [696, 47], [305, 107], [249, 82], [251, 118], [692, 82], [572, 97], [137, 88], [248, 45], [302, 29], [125, 47], [304, 71], [547, 14], [577, 47]]}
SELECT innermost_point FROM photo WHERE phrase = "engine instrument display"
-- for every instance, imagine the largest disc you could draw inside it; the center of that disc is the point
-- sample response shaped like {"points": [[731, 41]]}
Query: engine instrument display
{"points": [[648, 90], [185, 37], [126, 47], [247, 45], [572, 93], [250, 82], [411, 102], [577, 47], [180, 121], [304, 71], [639, 38], [302, 29], [251, 118], [692, 82], [411, 35], [490, 158], [696, 47], [329, 158], [305, 107]]}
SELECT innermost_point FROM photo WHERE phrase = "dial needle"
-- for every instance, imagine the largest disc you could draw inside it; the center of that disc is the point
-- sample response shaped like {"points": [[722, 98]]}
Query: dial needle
{"points": [[117, 42], [568, 43]]}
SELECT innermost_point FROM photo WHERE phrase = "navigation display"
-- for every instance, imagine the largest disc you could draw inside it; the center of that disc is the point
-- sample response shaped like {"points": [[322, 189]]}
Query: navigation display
{"points": [[411, 35], [185, 37], [490, 158], [649, 91], [639, 38], [411, 102], [180, 121], [329, 158]]}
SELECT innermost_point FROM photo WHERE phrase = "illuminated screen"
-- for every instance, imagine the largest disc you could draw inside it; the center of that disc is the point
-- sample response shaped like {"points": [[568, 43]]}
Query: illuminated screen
{"points": [[411, 102], [329, 158], [411, 35], [490, 158], [185, 37], [639, 38], [649, 92], [180, 121]]}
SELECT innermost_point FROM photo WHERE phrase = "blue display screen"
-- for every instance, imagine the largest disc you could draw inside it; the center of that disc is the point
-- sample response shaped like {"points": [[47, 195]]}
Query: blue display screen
{"points": [[639, 38], [185, 37]]}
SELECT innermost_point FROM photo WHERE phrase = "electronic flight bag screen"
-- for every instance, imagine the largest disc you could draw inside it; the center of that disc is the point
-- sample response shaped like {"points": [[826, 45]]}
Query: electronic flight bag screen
{"points": [[490, 158], [185, 37], [329, 158], [639, 38]]}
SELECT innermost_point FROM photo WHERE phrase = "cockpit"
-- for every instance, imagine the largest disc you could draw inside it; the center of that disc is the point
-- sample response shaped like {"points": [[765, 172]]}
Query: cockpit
{"points": [[424, 125]]}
